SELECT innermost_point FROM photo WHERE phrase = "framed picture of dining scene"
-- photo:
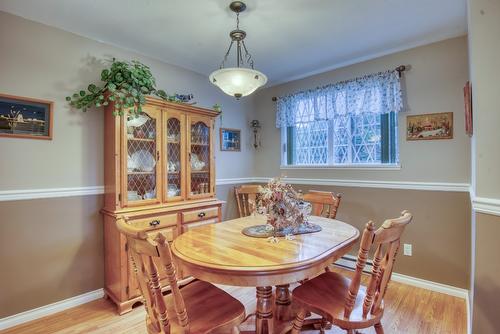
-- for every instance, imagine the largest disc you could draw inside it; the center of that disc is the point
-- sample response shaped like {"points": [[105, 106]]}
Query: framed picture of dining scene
{"points": [[230, 140], [23, 117], [429, 126]]}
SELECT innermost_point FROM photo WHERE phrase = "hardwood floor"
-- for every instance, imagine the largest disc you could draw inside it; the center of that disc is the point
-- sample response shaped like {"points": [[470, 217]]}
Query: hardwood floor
{"points": [[409, 310]]}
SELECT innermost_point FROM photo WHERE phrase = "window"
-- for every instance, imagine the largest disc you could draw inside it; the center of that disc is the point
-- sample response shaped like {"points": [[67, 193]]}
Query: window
{"points": [[353, 123], [349, 140]]}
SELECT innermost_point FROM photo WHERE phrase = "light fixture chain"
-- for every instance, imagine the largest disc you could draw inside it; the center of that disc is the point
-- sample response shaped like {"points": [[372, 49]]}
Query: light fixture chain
{"points": [[239, 54], [248, 56], [227, 54]]}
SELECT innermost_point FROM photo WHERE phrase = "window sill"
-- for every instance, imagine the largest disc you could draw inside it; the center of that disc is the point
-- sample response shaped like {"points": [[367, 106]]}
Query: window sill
{"points": [[345, 167]]}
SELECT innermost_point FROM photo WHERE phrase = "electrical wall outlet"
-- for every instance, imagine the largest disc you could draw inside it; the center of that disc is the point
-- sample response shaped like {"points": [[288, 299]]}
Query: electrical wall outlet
{"points": [[407, 249]]}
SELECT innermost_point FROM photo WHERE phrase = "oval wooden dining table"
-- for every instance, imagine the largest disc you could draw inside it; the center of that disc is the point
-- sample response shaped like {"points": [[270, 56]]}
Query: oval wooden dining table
{"points": [[220, 253]]}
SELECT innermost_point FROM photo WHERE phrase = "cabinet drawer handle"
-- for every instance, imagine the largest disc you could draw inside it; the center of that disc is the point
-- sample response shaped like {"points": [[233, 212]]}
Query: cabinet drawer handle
{"points": [[154, 223], [201, 214]]}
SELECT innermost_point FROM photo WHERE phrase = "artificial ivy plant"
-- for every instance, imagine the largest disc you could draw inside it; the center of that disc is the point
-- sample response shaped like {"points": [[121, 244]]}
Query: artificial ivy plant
{"points": [[126, 84]]}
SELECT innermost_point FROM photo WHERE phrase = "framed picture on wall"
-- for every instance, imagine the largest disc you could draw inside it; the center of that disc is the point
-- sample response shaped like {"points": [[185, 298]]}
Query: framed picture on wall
{"points": [[468, 108], [429, 126], [23, 117], [230, 140]]}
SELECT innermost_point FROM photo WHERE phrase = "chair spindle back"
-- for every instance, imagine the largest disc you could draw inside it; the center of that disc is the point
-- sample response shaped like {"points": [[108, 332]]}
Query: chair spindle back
{"points": [[323, 203], [144, 248], [246, 198], [386, 240]]}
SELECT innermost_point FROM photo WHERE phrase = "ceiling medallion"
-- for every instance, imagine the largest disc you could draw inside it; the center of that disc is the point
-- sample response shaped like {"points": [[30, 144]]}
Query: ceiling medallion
{"points": [[238, 81]]}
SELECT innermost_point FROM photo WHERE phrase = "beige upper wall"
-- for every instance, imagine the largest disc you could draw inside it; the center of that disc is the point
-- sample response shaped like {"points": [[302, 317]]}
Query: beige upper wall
{"points": [[484, 32], [43, 62], [433, 84]]}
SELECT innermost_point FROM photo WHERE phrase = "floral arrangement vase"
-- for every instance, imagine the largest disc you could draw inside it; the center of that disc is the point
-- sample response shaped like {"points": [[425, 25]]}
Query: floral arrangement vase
{"points": [[285, 209]]}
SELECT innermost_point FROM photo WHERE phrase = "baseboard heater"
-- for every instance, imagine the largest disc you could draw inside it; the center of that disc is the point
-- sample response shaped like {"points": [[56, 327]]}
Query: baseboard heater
{"points": [[349, 262]]}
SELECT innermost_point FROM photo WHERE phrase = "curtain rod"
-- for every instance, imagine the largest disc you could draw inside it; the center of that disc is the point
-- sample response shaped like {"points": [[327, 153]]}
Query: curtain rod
{"points": [[400, 69]]}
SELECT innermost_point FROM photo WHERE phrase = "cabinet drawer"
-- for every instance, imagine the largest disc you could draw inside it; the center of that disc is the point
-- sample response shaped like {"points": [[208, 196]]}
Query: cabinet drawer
{"points": [[154, 222], [196, 215], [187, 227]]}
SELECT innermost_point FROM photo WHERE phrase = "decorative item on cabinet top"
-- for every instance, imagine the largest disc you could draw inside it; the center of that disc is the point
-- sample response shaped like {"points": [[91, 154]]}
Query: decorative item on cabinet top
{"points": [[126, 85]]}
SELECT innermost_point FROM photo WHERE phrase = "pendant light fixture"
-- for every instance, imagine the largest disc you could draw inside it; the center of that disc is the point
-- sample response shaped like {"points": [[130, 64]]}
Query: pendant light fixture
{"points": [[238, 81]]}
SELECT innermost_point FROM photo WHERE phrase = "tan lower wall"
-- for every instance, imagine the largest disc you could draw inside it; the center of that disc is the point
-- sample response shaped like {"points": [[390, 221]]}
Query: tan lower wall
{"points": [[229, 209], [486, 282], [439, 232], [51, 249]]}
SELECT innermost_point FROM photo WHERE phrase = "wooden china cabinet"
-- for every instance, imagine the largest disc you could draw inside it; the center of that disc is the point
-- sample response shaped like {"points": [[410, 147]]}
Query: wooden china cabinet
{"points": [[159, 175]]}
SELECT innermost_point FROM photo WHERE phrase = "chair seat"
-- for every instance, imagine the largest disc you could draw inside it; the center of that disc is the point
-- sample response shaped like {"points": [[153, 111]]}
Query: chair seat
{"points": [[208, 308], [326, 295]]}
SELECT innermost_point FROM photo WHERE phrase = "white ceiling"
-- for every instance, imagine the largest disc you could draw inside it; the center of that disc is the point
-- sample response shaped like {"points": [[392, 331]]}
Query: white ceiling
{"points": [[287, 38]]}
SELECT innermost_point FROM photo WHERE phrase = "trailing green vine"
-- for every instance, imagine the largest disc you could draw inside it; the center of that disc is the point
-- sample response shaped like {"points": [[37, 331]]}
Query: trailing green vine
{"points": [[126, 85]]}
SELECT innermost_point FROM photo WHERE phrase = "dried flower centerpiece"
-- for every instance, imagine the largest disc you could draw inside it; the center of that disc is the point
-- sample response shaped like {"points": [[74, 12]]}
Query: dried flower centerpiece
{"points": [[285, 210]]}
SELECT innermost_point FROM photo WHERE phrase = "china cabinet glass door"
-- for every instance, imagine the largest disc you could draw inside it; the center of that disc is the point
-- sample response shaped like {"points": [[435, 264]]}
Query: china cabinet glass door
{"points": [[142, 158], [174, 129], [200, 164]]}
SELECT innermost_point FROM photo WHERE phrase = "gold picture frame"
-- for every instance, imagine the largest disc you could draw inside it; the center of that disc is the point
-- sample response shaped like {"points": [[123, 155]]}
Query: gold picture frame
{"points": [[429, 126]]}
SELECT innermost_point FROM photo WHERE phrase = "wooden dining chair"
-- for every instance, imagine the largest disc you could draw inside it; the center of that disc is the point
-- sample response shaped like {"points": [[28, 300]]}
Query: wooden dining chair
{"points": [[323, 203], [345, 302], [198, 307], [246, 198]]}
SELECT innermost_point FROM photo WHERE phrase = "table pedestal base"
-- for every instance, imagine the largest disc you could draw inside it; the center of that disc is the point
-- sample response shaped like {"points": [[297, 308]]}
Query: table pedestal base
{"points": [[283, 301], [264, 322], [275, 315]]}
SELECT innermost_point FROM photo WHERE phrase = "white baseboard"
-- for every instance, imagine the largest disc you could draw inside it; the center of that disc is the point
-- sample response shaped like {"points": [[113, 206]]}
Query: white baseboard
{"points": [[430, 285], [46, 310], [349, 261]]}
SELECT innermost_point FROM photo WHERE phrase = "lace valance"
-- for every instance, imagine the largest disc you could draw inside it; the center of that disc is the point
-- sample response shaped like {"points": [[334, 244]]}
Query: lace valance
{"points": [[378, 93]]}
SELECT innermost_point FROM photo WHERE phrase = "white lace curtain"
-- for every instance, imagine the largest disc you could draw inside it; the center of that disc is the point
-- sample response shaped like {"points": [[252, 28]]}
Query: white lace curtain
{"points": [[378, 93]]}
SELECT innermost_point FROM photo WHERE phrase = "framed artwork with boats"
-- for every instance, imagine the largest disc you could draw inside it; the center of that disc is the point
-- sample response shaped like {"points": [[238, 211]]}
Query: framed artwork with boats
{"points": [[23, 117]]}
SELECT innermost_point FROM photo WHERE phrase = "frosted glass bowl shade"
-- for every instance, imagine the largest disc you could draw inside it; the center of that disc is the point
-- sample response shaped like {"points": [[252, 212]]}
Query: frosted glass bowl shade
{"points": [[238, 81]]}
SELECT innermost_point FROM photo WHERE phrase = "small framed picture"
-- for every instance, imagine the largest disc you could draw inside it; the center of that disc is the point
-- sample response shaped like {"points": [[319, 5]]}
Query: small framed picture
{"points": [[468, 108], [429, 126], [23, 117], [230, 140]]}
